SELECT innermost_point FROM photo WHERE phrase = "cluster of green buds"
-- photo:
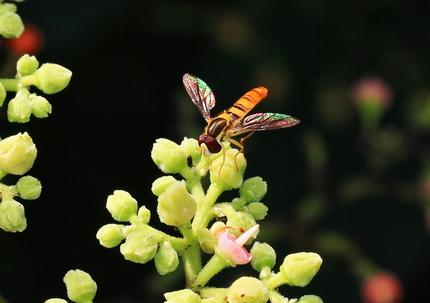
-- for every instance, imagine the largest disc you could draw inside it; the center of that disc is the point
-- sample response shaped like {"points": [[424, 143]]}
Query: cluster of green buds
{"points": [[11, 25], [17, 155], [221, 229], [49, 78]]}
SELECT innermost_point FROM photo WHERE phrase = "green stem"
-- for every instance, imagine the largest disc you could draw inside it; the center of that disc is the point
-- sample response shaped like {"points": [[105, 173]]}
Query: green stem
{"points": [[214, 266], [10, 85], [202, 217], [3, 173]]}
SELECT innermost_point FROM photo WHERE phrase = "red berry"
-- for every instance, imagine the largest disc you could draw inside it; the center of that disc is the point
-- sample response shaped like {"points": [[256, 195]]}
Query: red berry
{"points": [[383, 287], [30, 42]]}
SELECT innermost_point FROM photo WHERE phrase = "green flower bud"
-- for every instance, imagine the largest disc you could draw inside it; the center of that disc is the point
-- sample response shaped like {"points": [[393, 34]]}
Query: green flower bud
{"points": [[20, 108], [247, 290], [29, 188], [110, 235], [41, 107], [310, 299], [121, 205], [11, 25], [144, 214], [27, 65], [207, 242], [51, 78], [191, 148], [263, 255], [2, 94], [12, 216], [139, 247], [298, 269], [8, 7], [81, 288], [168, 156], [17, 154], [181, 296], [257, 210], [161, 184], [56, 300], [176, 205], [166, 260], [242, 221], [224, 171], [253, 189]]}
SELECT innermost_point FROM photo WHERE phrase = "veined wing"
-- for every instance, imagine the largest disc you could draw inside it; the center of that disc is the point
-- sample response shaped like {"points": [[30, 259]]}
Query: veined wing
{"points": [[263, 121], [200, 93]]}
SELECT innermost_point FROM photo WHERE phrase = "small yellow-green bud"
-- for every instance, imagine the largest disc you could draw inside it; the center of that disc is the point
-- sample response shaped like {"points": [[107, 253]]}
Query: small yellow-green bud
{"points": [[225, 173], [8, 7], [17, 154], [191, 148], [207, 242], [176, 205], [81, 288], [144, 214], [168, 156], [56, 300], [241, 220], [139, 247], [253, 189], [247, 290], [29, 188], [12, 216], [263, 255], [121, 205], [110, 235], [51, 78], [181, 296], [27, 65], [41, 107], [2, 94], [161, 184], [257, 210], [298, 269], [20, 108], [166, 260], [11, 25], [310, 299]]}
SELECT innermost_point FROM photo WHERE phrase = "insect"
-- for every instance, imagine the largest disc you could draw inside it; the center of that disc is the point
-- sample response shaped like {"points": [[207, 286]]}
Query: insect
{"points": [[233, 121]]}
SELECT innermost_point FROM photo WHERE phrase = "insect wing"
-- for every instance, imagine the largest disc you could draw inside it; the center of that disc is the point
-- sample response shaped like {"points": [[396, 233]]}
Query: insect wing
{"points": [[263, 121], [200, 93]]}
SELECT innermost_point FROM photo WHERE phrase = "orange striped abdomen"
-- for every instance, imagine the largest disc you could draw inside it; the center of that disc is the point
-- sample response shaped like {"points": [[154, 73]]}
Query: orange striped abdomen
{"points": [[247, 102]]}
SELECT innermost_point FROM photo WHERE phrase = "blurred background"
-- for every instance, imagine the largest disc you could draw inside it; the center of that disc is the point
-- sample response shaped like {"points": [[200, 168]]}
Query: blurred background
{"points": [[350, 182]]}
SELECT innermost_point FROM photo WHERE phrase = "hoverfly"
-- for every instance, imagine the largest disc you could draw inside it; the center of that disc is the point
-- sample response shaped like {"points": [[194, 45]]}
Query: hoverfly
{"points": [[233, 121]]}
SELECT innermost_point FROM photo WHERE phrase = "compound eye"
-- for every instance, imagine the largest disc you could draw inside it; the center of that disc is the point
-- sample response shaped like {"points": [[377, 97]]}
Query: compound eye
{"points": [[212, 144]]}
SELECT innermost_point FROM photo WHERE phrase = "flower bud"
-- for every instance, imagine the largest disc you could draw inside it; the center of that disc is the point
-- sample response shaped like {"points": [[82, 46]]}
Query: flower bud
{"points": [[27, 65], [253, 189], [110, 235], [144, 214], [41, 107], [310, 299], [161, 184], [240, 221], [176, 205], [207, 242], [56, 300], [247, 290], [382, 287], [224, 171], [2, 94], [168, 156], [29, 188], [191, 148], [17, 154], [51, 78], [12, 216], [121, 205], [263, 255], [20, 108], [11, 25], [298, 269], [81, 288], [257, 210], [166, 260], [181, 296], [139, 247]]}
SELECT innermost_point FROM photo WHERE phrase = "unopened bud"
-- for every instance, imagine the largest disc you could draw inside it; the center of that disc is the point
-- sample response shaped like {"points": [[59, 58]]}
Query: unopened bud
{"points": [[81, 288]]}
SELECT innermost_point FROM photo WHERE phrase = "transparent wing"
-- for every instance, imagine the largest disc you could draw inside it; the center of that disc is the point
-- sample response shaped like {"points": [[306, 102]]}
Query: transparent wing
{"points": [[200, 93], [263, 121]]}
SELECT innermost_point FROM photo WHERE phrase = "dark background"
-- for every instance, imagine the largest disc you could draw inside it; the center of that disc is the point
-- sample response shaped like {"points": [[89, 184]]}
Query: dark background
{"points": [[128, 58]]}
